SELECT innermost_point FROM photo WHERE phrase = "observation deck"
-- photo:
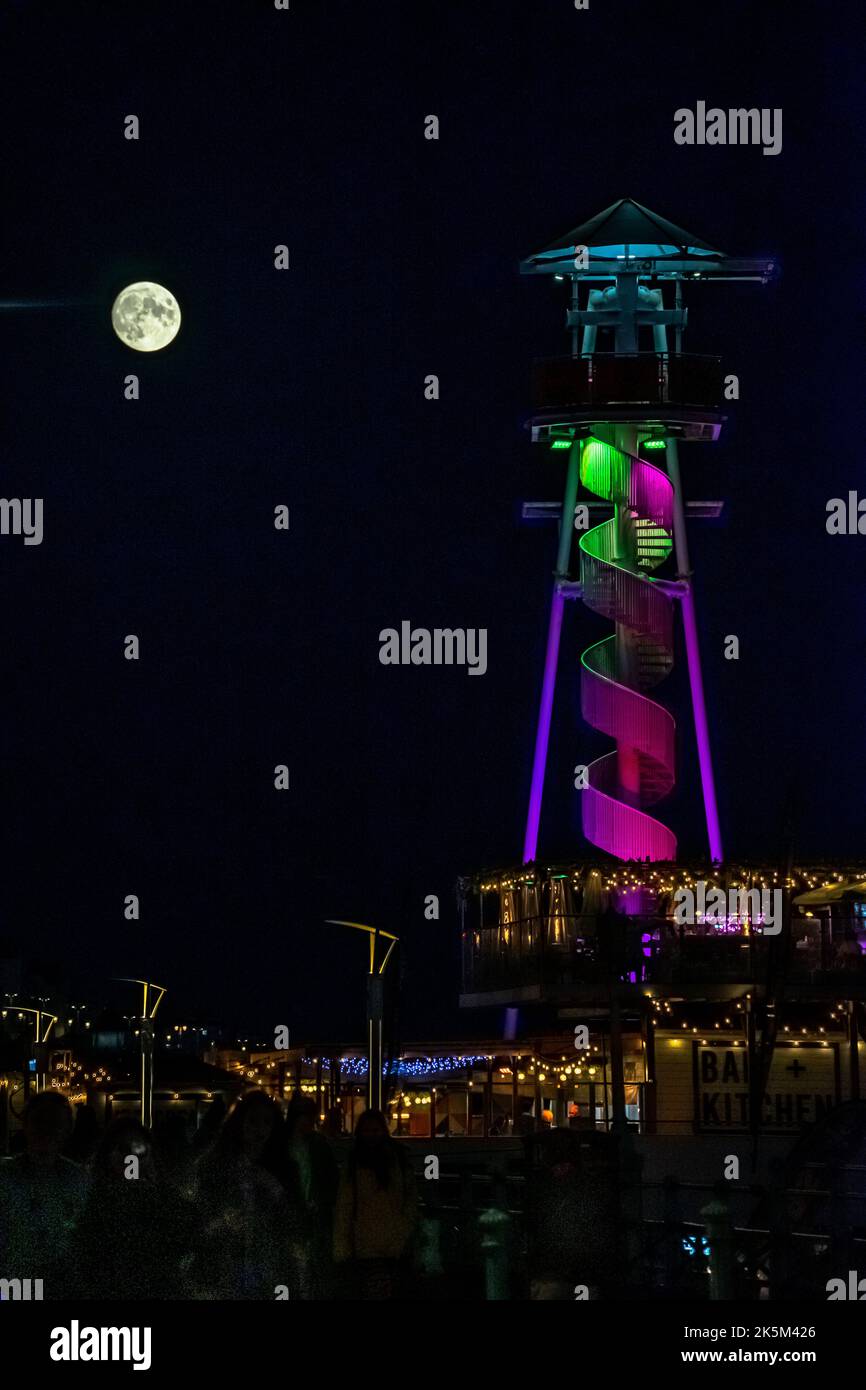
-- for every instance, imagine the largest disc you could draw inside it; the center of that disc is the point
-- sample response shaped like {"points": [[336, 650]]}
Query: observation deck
{"points": [[683, 392], [551, 936]]}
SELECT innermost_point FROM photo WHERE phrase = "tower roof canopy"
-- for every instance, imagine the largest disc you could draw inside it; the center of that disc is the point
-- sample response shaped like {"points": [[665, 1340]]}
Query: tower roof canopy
{"points": [[625, 230], [650, 245]]}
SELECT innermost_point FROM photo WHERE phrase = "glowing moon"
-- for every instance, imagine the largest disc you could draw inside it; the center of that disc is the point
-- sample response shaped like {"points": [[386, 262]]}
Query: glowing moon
{"points": [[145, 316]]}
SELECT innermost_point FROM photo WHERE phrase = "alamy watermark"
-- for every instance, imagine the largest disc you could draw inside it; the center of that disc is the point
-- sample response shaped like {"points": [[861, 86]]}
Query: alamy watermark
{"points": [[441, 646], [20, 1290], [736, 126], [77, 1343], [854, 1291], [846, 518], [22, 516], [762, 907]]}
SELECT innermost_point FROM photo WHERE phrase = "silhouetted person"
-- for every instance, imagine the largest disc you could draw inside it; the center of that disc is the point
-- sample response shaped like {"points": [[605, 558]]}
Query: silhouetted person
{"points": [[848, 951], [306, 1167], [247, 1234], [174, 1153], [137, 1236], [212, 1122], [333, 1126], [525, 1123], [41, 1196], [376, 1211], [85, 1136]]}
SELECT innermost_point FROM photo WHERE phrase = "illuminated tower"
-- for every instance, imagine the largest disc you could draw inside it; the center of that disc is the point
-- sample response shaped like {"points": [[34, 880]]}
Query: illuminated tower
{"points": [[620, 413]]}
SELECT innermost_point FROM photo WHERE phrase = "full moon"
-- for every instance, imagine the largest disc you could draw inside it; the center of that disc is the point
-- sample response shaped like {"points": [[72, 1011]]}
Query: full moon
{"points": [[145, 316]]}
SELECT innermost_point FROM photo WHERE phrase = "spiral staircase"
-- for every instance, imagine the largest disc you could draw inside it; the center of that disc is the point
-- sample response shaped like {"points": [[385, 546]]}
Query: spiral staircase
{"points": [[616, 560]]}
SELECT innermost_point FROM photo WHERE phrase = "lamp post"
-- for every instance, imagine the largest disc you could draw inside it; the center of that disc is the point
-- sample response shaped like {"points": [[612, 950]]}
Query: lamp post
{"points": [[375, 1005], [40, 1039], [149, 1006]]}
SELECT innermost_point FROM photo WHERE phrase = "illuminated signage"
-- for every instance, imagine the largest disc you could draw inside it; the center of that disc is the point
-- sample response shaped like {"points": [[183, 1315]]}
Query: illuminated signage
{"points": [[801, 1088]]}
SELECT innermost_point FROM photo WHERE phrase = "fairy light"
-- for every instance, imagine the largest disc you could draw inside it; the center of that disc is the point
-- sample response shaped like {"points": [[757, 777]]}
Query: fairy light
{"points": [[415, 1066]]}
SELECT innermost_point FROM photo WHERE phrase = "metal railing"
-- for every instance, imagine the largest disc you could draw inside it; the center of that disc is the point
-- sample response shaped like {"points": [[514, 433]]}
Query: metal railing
{"points": [[484, 1223], [653, 950], [640, 378]]}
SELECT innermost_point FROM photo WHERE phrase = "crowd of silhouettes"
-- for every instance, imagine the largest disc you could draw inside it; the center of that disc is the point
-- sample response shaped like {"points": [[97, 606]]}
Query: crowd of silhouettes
{"points": [[257, 1204]]}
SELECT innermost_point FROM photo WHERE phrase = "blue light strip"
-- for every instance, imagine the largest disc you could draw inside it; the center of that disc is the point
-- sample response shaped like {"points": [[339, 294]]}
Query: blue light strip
{"points": [[413, 1066]]}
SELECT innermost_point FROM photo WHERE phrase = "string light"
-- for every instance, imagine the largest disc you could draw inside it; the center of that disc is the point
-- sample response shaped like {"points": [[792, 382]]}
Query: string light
{"points": [[414, 1066]]}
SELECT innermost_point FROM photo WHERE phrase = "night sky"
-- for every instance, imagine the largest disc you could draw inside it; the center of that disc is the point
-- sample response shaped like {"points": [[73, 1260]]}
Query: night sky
{"points": [[305, 387]]}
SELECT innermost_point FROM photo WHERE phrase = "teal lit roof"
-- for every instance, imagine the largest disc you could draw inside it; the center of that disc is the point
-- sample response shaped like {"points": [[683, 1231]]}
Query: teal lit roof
{"points": [[625, 229]]}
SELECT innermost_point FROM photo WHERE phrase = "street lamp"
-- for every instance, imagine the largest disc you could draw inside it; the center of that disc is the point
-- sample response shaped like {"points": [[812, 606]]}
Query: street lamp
{"points": [[42, 1030], [375, 1005], [149, 1006]]}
